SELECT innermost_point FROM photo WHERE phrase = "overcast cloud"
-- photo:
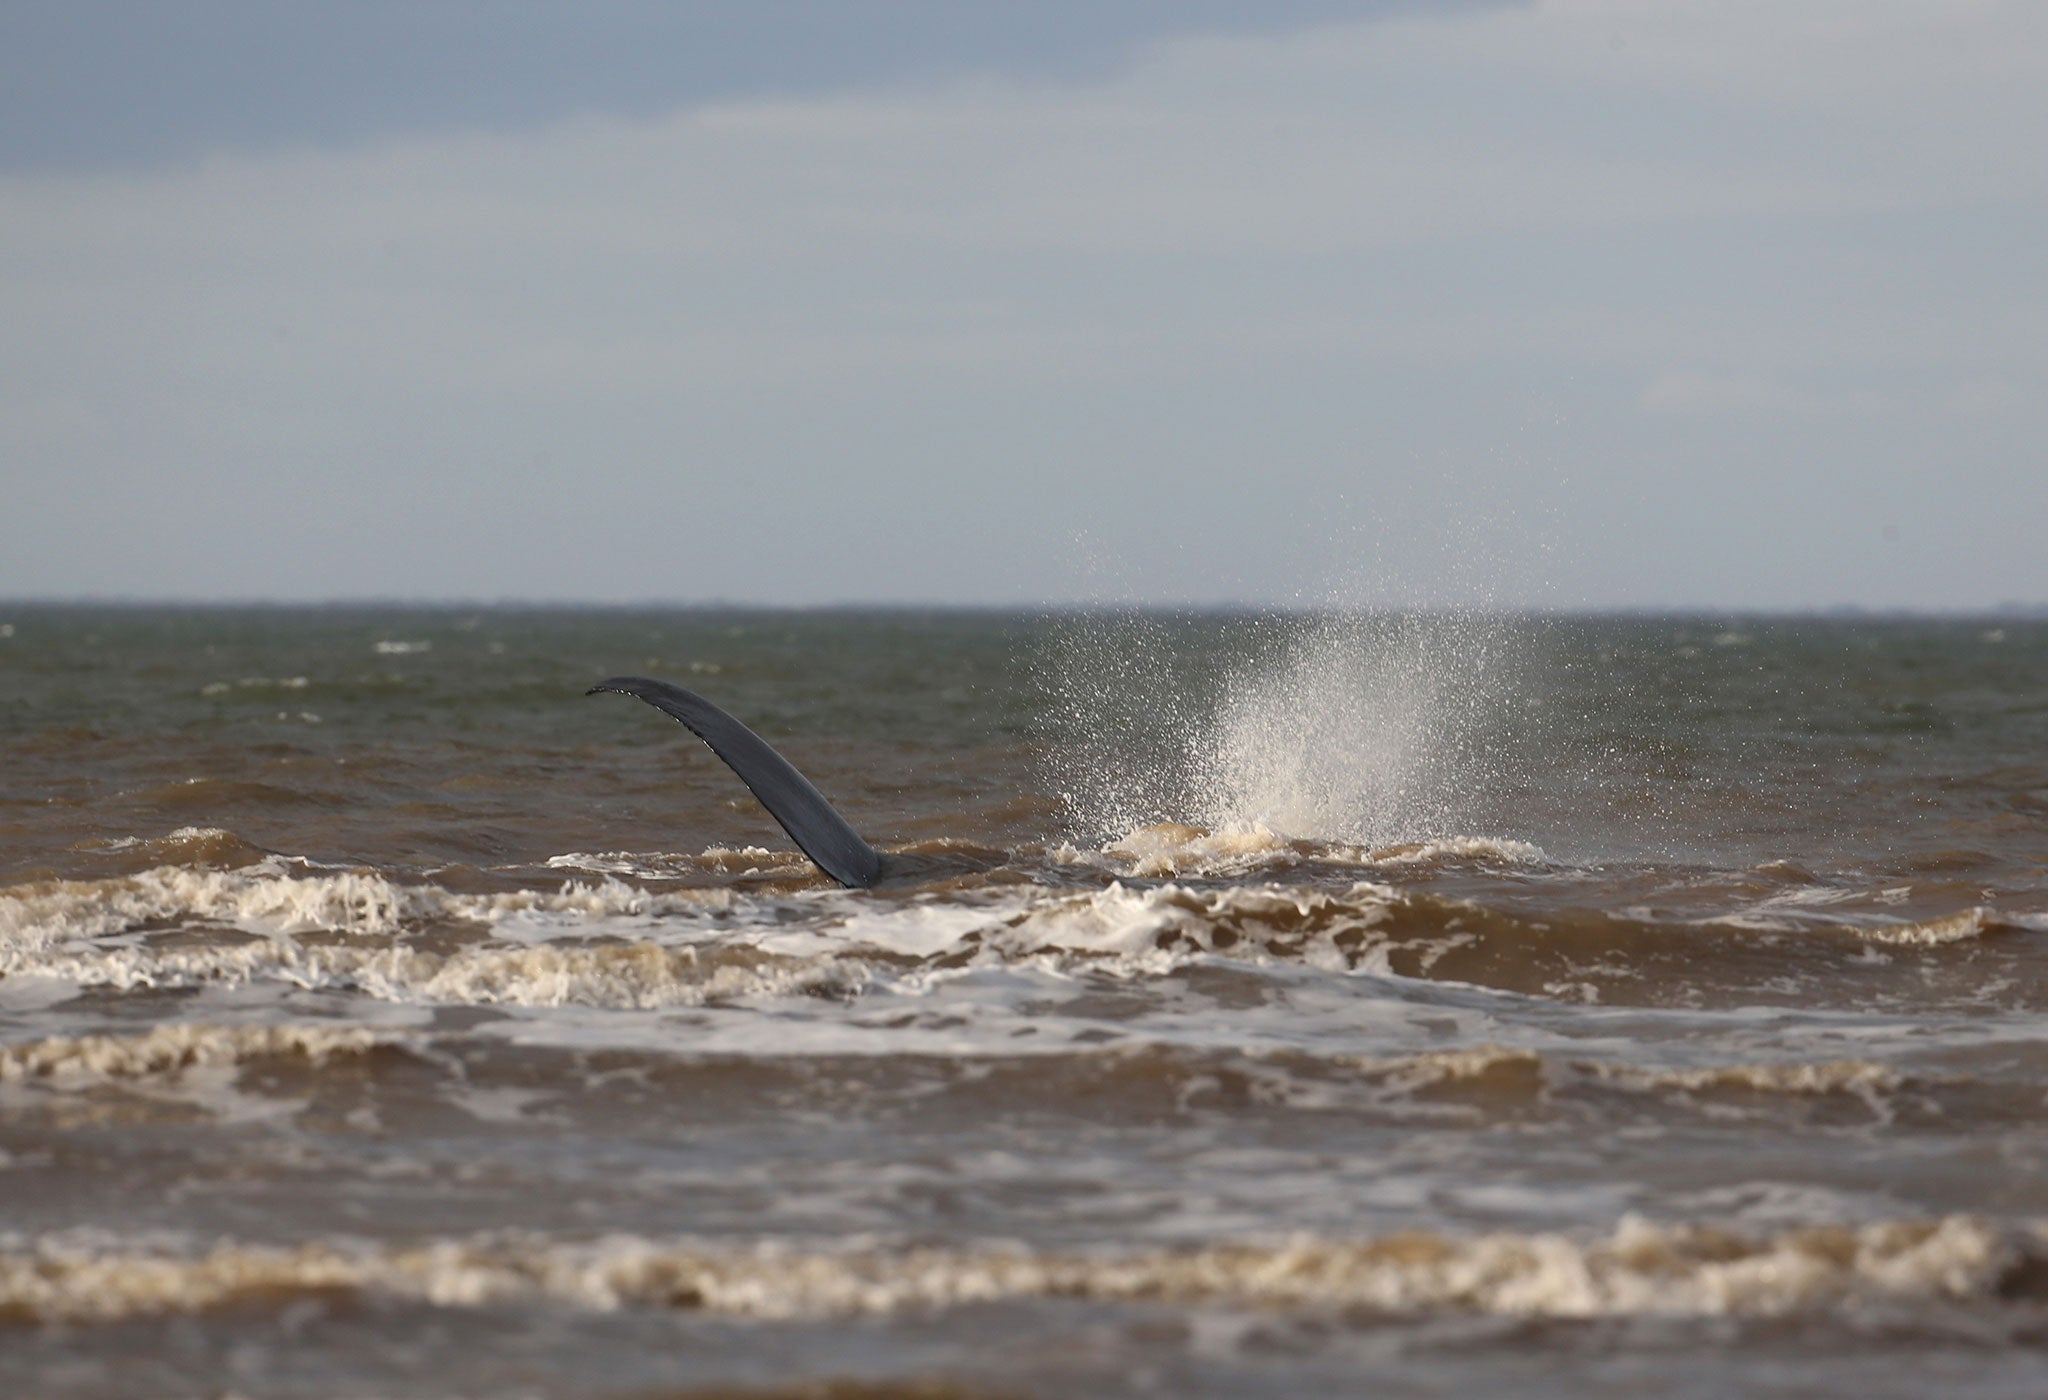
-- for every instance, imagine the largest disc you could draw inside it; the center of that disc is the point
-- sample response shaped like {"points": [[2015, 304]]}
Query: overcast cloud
{"points": [[1591, 303]]}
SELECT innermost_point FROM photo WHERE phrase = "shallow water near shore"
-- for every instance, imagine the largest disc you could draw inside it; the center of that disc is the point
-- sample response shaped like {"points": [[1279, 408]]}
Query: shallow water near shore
{"points": [[1258, 1005]]}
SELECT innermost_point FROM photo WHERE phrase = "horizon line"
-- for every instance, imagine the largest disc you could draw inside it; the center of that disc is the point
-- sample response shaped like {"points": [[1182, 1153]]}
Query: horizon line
{"points": [[2005, 609]]}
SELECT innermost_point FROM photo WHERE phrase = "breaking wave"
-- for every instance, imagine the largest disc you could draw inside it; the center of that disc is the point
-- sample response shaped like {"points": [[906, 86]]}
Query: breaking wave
{"points": [[637, 975], [170, 1048], [1920, 1271], [607, 942], [1164, 850], [264, 900]]}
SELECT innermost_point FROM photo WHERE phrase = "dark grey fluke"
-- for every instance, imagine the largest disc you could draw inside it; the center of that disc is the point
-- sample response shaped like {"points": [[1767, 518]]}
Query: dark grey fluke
{"points": [[821, 833]]}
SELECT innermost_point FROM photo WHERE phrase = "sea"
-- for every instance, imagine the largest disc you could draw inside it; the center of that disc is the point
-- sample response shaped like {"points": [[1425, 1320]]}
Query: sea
{"points": [[1317, 1003]]}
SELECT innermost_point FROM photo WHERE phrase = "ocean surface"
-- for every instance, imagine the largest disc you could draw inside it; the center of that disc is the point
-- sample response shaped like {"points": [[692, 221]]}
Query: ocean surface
{"points": [[1305, 1005]]}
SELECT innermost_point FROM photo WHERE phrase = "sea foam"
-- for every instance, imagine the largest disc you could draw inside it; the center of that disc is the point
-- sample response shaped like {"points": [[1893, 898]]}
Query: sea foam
{"points": [[1958, 1269]]}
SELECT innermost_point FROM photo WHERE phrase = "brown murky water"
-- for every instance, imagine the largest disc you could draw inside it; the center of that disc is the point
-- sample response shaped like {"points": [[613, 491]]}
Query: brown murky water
{"points": [[1261, 1006]]}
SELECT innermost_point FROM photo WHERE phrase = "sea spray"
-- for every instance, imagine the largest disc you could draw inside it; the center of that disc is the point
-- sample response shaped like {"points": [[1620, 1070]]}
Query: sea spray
{"points": [[1369, 728], [1128, 696], [1341, 726]]}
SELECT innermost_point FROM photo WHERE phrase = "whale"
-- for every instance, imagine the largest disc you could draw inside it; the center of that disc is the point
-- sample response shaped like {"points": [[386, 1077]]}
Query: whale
{"points": [[797, 806]]}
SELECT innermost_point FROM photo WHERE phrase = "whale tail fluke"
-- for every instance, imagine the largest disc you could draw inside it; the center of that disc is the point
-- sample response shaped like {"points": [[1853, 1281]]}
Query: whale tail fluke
{"points": [[819, 831]]}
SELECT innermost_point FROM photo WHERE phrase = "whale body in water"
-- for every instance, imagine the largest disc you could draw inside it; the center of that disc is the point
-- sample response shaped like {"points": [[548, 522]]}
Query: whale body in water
{"points": [[819, 831]]}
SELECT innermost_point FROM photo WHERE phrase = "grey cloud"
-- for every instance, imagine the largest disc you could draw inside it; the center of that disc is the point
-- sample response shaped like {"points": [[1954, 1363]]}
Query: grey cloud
{"points": [[121, 83]]}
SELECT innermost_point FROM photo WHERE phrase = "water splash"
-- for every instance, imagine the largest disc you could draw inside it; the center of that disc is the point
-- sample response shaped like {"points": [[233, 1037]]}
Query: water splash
{"points": [[1363, 727], [1369, 729]]}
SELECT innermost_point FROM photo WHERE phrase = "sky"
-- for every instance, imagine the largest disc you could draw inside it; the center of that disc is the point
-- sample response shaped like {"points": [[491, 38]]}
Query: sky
{"points": [[1571, 304]]}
